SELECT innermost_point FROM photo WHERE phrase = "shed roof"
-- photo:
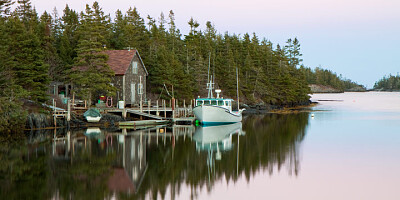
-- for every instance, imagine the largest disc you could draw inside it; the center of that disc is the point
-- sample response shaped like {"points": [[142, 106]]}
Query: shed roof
{"points": [[120, 60]]}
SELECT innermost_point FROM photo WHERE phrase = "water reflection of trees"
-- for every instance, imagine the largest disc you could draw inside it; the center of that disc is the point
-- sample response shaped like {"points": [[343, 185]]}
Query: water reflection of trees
{"points": [[37, 166], [33, 166], [271, 142]]}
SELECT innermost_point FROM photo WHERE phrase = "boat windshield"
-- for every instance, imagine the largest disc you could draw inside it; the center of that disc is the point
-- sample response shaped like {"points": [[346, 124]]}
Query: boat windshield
{"points": [[199, 103], [214, 102], [206, 102], [220, 103]]}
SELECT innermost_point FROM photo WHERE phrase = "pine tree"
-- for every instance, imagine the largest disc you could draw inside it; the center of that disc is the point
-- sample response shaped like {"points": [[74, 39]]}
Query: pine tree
{"points": [[137, 36], [119, 38], [5, 7], [91, 75], [69, 37], [51, 58], [11, 113], [292, 49], [31, 72]]}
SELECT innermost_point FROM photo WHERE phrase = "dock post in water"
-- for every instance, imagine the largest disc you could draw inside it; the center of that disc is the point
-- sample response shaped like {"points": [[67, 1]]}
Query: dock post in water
{"points": [[173, 107], [149, 106], [54, 113], [124, 113], [69, 111], [184, 106], [165, 109], [157, 113]]}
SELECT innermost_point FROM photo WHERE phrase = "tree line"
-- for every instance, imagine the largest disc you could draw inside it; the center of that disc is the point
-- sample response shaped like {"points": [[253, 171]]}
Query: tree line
{"points": [[37, 49], [320, 76], [390, 83]]}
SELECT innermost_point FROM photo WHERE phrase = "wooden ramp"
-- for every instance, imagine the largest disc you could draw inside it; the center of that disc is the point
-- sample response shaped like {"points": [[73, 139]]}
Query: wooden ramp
{"points": [[137, 112]]}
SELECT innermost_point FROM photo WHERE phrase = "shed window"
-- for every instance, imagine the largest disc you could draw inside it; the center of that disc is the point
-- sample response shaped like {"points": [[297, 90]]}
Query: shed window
{"points": [[134, 67]]}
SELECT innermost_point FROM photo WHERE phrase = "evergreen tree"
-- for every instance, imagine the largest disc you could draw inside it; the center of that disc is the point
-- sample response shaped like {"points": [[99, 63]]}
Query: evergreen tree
{"points": [[47, 36], [69, 37], [119, 38], [11, 113], [91, 75], [31, 72], [5, 7], [136, 35]]}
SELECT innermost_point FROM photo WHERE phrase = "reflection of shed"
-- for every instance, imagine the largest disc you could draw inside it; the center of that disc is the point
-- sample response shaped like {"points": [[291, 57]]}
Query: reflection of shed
{"points": [[132, 164]]}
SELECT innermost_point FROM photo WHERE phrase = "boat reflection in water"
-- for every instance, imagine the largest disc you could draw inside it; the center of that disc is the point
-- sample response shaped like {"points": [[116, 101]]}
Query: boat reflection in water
{"points": [[216, 139]]}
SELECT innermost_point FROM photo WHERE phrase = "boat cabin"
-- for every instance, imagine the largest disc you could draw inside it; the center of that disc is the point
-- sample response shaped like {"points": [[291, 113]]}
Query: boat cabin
{"points": [[224, 103]]}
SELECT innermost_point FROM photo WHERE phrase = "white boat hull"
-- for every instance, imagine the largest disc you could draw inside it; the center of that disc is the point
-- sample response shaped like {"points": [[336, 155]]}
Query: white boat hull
{"points": [[208, 114], [93, 119]]}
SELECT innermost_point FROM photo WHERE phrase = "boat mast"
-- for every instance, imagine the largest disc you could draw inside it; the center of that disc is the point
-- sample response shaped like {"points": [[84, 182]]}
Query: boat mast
{"points": [[210, 84], [237, 86], [210, 87]]}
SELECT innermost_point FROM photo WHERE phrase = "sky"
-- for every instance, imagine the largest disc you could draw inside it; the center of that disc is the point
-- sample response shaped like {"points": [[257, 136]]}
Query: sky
{"points": [[358, 39]]}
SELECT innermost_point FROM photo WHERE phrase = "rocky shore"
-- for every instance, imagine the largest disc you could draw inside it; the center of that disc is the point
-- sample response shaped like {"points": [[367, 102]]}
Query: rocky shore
{"points": [[42, 121], [267, 108]]}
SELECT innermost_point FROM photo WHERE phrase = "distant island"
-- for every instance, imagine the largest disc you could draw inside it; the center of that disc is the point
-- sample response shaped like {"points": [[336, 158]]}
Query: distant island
{"points": [[390, 83]]}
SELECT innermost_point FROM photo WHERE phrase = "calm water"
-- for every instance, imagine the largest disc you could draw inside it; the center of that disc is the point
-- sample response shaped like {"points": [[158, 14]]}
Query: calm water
{"points": [[347, 147]]}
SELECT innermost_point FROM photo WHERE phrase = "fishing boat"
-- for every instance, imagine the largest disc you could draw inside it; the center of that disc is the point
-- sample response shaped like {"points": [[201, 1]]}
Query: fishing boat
{"points": [[216, 111], [213, 111]]}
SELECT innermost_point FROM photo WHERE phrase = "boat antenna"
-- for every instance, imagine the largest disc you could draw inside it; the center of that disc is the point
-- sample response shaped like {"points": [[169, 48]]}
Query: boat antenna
{"points": [[209, 61], [237, 86], [208, 74]]}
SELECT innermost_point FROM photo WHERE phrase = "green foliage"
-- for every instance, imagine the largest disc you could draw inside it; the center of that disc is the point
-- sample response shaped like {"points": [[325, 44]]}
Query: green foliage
{"points": [[390, 83], [326, 77], [92, 75], [30, 70], [5, 7], [11, 113]]}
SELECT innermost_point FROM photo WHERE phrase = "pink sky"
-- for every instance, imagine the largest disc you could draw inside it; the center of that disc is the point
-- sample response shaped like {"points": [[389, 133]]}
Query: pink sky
{"points": [[356, 38]]}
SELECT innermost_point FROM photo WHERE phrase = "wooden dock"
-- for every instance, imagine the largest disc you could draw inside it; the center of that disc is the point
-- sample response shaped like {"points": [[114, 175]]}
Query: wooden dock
{"points": [[184, 120], [143, 122], [154, 113]]}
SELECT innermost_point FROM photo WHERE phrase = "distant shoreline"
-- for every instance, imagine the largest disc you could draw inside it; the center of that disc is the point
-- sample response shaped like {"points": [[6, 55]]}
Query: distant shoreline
{"points": [[329, 89]]}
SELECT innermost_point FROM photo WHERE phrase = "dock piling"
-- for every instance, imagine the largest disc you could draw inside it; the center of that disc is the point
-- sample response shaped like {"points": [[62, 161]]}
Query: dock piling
{"points": [[149, 105], [157, 113], [165, 109]]}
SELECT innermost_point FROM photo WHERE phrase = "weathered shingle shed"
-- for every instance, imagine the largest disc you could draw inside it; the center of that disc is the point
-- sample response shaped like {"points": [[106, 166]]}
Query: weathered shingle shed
{"points": [[130, 75]]}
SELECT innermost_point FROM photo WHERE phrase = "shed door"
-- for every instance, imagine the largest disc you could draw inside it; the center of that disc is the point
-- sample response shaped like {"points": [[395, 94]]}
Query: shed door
{"points": [[133, 96]]}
